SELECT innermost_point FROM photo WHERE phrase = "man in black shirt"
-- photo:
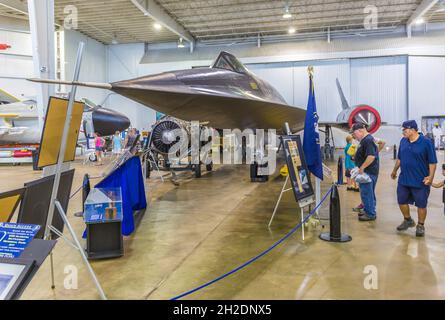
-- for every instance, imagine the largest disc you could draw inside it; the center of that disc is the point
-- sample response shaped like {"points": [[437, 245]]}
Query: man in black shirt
{"points": [[367, 160]]}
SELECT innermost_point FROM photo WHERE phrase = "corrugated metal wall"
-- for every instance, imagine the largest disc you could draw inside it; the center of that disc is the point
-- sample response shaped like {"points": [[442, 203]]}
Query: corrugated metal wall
{"points": [[16, 64], [426, 87], [326, 94], [94, 64], [381, 83], [291, 80]]}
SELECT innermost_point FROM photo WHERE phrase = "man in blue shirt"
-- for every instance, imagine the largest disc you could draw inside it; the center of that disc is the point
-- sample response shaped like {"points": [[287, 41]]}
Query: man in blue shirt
{"points": [[367, 160], [417, 162]]}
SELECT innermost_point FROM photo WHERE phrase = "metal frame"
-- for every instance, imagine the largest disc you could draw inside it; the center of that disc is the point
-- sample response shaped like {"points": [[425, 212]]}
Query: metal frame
{"points": [[302, 205], [423, 8], [54, 203]]}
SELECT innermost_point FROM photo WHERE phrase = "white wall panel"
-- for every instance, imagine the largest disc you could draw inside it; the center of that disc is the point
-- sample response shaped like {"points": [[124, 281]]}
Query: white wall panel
{"points": [[123, 63], [93, 68], [16, 64], [279, 75], [292, 81], [19, 88], [20, 42], [326, 93], [381, 83], [426, 87]]}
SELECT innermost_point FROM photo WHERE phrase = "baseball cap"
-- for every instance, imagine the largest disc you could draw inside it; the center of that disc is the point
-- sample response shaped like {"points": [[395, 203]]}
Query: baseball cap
{"points": [[410, 124], [357, 126]]}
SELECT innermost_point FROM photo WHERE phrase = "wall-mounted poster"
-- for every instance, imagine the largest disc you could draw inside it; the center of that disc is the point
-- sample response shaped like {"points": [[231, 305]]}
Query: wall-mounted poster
{"points": [[298, 171]]}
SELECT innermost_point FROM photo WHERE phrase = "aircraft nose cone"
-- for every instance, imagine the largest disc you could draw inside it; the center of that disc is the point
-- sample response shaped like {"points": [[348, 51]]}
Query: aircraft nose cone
{"points": [[107, 122]]}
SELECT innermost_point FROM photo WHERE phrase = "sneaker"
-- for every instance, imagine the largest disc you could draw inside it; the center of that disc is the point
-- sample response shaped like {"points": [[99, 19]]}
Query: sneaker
{"points": [[365, 217], [359, 208], [420, 230], [406, 224]]}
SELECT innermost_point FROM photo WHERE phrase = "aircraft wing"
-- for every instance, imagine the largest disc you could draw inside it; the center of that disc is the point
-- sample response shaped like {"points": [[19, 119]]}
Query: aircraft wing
{"points": [[6, 98], [220, 111], [9, 115]]}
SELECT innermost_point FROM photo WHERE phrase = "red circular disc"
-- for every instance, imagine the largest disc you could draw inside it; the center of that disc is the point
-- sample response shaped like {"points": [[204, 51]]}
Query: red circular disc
{"points": [[367, 115]]}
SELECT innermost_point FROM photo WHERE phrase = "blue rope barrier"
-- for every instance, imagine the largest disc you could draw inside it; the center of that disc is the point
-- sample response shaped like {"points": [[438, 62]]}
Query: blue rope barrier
{"points": [[258, 256]]}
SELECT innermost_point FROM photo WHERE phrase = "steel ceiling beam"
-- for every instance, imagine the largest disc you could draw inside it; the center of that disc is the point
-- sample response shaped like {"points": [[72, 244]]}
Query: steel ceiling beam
{"points": [[153, 10], [261, 13], [15, 5], [423, 8]]}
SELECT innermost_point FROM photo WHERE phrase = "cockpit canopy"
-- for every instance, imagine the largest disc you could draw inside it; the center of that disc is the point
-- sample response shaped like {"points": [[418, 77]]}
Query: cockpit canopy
{"points": [[229, 62]]}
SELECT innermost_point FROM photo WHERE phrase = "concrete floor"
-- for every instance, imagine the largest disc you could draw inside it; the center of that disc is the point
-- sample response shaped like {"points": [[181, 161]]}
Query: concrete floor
{"points": [[205, 227]]}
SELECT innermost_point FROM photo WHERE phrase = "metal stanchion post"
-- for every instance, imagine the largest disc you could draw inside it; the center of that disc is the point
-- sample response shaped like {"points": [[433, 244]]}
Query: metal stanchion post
{"points": [[334, 234], [340, 171]]}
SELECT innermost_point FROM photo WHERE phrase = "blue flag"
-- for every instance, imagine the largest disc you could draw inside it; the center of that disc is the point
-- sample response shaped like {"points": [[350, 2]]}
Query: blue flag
{"points": [[311, 142]]}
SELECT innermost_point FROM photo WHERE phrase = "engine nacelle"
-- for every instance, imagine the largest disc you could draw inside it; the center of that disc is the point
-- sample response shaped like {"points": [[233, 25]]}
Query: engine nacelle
{"points": [[362, 113], [167, 132]]}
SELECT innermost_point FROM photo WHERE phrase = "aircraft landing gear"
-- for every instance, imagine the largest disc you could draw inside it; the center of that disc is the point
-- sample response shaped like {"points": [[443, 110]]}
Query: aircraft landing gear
{"points": [[147, 169], [327, 151], [197, 170], [254, 177]]}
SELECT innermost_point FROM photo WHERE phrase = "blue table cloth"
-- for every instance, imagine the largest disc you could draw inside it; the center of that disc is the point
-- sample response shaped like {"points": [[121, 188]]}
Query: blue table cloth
{"points": [[129, 178]]}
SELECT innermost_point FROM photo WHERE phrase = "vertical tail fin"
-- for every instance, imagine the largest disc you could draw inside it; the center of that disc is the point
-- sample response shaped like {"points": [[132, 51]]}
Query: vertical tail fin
{"points": [[344, 102]]}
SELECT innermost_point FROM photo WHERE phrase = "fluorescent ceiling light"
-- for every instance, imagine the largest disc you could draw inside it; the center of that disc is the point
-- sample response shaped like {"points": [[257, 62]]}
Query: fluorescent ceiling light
{"points": [[114, 40], [420, 21], [157, 26], [287, 14], [291, 30]]}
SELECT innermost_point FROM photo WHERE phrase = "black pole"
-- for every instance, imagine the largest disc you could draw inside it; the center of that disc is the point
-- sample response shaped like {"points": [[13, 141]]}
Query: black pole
{"points": [[334, 234], [395, 152], [86, 188], [340, 171]]}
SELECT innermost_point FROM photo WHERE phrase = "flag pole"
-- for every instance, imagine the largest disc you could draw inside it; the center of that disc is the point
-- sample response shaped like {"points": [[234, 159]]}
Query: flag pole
{"points": [[310, 70]]}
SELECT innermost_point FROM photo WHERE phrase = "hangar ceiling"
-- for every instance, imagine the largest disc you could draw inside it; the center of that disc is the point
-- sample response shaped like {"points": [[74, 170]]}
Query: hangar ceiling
{"points": [[219, 21], [15, 10]]}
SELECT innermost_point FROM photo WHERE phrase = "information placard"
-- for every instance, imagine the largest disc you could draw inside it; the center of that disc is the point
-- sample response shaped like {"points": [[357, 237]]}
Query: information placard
{"points": [[15, 237], [298, 171]]}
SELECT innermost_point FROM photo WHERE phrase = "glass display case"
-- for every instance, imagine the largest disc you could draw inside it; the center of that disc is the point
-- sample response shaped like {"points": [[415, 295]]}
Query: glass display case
{"points": [[103, 205]]}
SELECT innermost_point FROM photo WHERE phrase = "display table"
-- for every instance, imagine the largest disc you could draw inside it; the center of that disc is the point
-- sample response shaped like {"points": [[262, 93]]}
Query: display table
{"points": [[103, 217], [129, 178]]}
